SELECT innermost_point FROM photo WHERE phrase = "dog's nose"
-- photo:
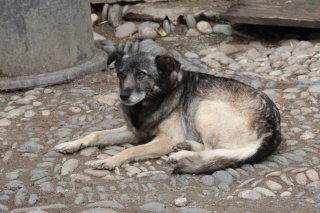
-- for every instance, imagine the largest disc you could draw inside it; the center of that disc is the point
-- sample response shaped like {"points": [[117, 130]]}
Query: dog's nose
{"points": [[125, 95]]}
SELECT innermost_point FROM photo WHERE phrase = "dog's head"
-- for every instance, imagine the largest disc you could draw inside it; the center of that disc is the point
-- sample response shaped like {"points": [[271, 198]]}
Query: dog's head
{"points": [[144, 76]]}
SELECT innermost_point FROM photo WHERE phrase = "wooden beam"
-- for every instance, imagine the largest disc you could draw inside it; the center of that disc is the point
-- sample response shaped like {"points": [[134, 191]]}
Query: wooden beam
{"points": [[294, 13]]}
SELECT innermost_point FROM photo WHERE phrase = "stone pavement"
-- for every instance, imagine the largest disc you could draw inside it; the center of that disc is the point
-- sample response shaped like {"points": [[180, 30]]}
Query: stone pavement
{"points": [[33, 178]]}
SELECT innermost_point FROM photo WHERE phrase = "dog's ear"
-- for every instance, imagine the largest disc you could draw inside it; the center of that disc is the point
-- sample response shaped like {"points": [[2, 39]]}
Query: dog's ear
{"points": [[115, 56], [167, 63]]}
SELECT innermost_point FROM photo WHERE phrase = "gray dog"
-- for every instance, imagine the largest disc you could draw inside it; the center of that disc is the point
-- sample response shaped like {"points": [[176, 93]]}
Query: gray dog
{"points": [[211, 123]]}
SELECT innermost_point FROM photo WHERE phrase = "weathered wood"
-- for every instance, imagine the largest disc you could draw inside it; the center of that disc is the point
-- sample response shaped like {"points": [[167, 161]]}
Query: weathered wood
{"points": [[294, 13]]}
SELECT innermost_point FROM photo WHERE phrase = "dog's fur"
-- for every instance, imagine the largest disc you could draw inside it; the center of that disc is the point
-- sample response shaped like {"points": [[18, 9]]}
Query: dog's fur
{"points": [[212, 123]]}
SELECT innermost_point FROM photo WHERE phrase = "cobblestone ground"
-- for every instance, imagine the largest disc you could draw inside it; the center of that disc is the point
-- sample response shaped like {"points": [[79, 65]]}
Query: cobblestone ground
{"points": [[33, 178]]}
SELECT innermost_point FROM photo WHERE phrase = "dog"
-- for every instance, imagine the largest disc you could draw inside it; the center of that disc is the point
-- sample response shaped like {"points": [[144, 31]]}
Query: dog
{"points": [[210, 123]]}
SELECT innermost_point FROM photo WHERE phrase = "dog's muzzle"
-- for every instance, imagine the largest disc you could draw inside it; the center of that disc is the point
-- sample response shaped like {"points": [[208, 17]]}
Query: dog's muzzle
{"points": [[125, 95]]}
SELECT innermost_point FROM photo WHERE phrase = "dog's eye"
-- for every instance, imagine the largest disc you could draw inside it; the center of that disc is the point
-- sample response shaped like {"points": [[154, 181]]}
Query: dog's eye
{"points": [[141, 74]]}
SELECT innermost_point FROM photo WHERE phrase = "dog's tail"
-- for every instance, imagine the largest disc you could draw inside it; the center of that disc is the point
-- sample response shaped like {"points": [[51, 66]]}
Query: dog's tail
{"points": [[209, 161]]}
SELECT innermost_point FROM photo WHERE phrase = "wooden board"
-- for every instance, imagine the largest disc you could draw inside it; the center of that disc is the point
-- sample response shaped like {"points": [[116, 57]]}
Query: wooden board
{"points": [[291, 13]]}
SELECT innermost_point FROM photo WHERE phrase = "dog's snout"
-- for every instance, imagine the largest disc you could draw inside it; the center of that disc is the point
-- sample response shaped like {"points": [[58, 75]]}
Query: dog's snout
{"points": [[125, 95]]}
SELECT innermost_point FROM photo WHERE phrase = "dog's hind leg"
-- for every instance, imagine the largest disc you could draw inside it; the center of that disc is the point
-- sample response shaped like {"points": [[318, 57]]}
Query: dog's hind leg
{"points": [[154, 149], [100, 138]]}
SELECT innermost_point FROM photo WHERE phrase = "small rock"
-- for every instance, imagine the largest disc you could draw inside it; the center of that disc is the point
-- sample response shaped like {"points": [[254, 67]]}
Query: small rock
{"points": [[314, 88], [207, 180], [150, 24], [223, 176], [75, 109], [147, 33], [133, 170], [45, 112], [181, 202], [94, 18], [191, 21], [273, 185], [301, 179], [312, 175], [20, 196], [204, 27], [153, 207], [166, 27], [250, 195], [79, 178], [223, 29], [126, 30], [88, 151], [5, 122], [193, 33], [285, 194], [264, 191], [113, 15], [105, 10], [97, 173], [69, 166], [29, 114], [23, 101]]}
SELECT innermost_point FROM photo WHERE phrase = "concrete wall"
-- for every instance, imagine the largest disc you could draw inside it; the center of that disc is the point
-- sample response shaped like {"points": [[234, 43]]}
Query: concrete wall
{"points": [[43, 36]]}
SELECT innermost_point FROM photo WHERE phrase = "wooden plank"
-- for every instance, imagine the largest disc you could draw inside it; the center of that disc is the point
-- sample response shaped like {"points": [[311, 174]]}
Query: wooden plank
{"points": [[294, 13]]}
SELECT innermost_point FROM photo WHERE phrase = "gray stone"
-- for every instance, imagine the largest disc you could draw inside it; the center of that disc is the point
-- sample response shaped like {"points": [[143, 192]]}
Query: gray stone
{"points": [[97, 173], [126, 30], [104, 14], [5, 122], [29, 114], [108, 204], [3, 207], [20, 197], [194, 210], [127, 47], [79, 199], [193, 33], [113, 15], [153, 207], [223, 29], [166, 26], [249, 195], [180, 202], [147, 33], [285, 194], [207, 180], [150, 24], [273, 185], [314, 88], [69, 166], [88, 151], [293, 157], [161, 176], [33, 199], [52, 206], [223, 176], [30, 147], [314, 187], [191, 21], [98, 210], [264, 191]]}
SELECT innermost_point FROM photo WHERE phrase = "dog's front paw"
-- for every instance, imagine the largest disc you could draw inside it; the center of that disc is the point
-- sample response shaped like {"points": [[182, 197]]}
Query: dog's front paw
{"points": [[174, 158], [182, 146], [68, 147], [107, 164]]}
